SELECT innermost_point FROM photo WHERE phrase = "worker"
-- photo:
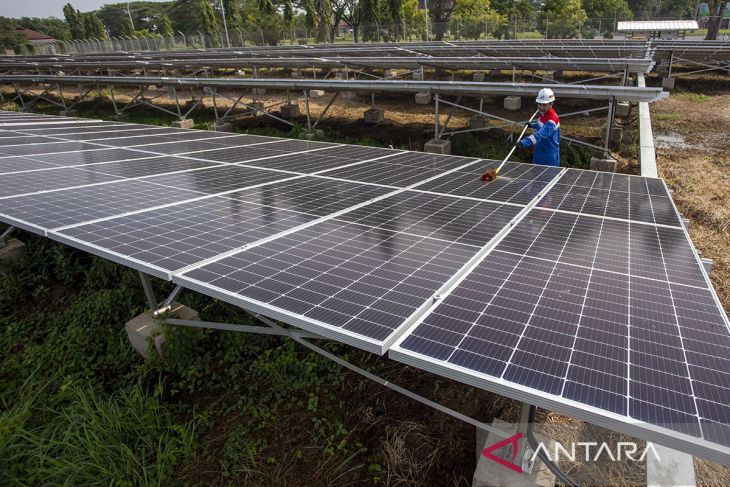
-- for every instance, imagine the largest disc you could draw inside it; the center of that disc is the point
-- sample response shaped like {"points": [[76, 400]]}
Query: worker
{"points": [[546, 140]]}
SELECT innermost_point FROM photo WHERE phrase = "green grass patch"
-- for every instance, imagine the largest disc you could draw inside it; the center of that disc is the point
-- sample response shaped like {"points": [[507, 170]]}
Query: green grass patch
{"points": [[668, 116], [692, 97]]}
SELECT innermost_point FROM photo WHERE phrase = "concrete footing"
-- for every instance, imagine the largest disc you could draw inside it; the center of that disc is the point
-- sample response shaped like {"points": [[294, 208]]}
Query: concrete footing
{"points": [[423, 98], [622, 109], [374, 115], [68, 113], [512, 103], [668, 83], [479, 77], [417, 76], [145, 327], [673, 468], [314, 134], [348, 95], [186, 123], [606, 165], [316, 93], [289, 111], [295, 73], [707, 264], [438, 146], [222, 127], [11, 250], [478, 122], [490, 473], [617, 135]]}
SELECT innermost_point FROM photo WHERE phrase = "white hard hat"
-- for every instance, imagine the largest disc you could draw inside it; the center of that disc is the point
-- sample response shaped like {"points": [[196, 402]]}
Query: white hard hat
{"points": [[545, 95]]}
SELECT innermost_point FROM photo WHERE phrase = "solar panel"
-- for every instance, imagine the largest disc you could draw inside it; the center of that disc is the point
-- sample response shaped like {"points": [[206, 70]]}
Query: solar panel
{"points": [[44, 148], [219, 179], [401, 170], [19, 163], [149, 166], [46, 211], [517, 183], [165, 240], [85, 157], [22, 140], [30, 182], [599, 317], [613, 195]]}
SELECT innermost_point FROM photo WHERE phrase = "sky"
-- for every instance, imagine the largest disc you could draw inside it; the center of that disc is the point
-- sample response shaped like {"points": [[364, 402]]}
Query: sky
{"points": [[48, 8]]}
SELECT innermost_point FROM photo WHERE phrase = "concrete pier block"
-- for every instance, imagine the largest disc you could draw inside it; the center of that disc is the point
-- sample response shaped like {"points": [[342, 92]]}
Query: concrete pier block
{"points": [[512, 103], [673, 468], [186, 123], [423, 98], [438, 146], [707, 264], [622, 109], [254, 108], [289, 111], [479, 77], [68, 113], [478, 122], [341, 75], [490, 473], [313, 134], [668, 83], [374, 115], [145, 327], [549, 76], [418, 75], [348, 95], [11, 250], [617, 135], [316, 94], [605, 165], [222, 127], [296, 73]]}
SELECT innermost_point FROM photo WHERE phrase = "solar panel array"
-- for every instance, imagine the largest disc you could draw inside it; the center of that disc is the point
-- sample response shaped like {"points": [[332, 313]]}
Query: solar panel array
{"points": [[570, 289]]}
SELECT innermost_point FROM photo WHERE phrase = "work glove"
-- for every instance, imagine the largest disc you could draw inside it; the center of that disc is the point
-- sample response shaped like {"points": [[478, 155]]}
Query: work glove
{"points": [[528, 125], [525, 143]]}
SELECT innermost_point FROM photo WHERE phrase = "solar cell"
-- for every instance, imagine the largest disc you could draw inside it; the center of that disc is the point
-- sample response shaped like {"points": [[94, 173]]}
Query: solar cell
{"points": [[18, 163], [85, 157], [219, 179]]}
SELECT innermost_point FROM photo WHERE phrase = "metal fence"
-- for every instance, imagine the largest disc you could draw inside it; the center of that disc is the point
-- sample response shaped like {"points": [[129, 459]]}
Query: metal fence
{"points": [[538, 26]]}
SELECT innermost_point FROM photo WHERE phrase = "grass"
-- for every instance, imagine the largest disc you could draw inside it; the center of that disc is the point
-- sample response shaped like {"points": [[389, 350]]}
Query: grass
{"points": [[692, 97]]}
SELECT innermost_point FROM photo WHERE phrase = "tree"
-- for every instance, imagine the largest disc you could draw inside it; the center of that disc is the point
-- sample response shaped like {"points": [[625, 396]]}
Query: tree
{"points": [[11, 38], [717, 11], [167, 30], [440, 13], [510, 12], [414, 19], [211, 27], [607, 11], [75, 22], [474, 16], [145, 15], [93, 27], [56, 28], [562, 18]]}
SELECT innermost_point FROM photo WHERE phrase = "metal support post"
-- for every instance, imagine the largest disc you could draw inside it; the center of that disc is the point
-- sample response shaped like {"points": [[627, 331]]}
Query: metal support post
{"points": [[215, 107], [114, 100], [625, 76], [6, 235], [166, 304], [524, 452], [148, 291], [436, 117], [671, 60], [609, 126], [177, 104], [60, 94], [306, 108], [372, 101]]}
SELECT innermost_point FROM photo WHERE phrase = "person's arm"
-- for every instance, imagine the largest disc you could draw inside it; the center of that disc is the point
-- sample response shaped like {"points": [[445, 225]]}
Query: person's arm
{"points": [[545, 132]]}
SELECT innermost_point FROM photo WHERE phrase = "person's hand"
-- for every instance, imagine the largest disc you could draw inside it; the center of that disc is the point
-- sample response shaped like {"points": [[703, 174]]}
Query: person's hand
{"points": [[528, 125], [525, 143]]}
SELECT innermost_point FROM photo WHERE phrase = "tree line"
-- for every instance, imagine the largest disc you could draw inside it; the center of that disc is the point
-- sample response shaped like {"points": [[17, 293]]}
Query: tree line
{"points": [[271, 21]]}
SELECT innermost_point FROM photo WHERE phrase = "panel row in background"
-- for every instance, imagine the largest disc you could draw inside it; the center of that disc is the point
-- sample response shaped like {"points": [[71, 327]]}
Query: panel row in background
{"points": [[593, 317]]}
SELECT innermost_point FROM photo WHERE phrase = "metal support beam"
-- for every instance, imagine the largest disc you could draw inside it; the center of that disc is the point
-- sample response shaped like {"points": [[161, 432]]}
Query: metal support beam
{"points": [[306, 108], [321, 115], [148, 291], [6, 235], [165, 305]]}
